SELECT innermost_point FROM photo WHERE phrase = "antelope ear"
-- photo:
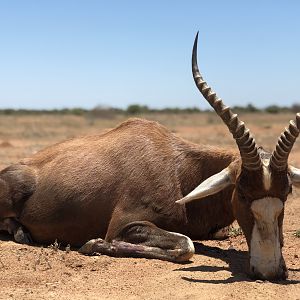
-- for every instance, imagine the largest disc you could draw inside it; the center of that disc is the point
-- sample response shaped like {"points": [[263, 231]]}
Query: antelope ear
{"points": [[212, 185], [295, 175]]}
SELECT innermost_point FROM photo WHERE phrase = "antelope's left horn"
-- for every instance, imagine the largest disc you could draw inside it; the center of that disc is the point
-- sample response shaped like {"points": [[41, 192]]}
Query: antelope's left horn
{"points": [[279, 158]]}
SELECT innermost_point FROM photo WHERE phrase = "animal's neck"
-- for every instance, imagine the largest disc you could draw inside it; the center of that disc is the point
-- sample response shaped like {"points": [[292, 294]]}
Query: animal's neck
{"points": [[195, 164]]}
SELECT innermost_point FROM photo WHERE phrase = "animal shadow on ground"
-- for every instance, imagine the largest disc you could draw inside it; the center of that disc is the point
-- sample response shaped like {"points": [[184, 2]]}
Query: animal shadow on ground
{"points": [[237, 264], [5, 236]]}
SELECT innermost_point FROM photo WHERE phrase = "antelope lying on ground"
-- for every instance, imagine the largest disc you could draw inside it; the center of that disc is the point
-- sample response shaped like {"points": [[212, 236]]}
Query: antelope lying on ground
{"points": [[115, 193]]}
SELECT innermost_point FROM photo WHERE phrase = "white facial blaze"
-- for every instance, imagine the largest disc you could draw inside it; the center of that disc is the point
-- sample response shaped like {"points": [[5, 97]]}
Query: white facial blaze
{"points": [[266, 174], [265, 252]]}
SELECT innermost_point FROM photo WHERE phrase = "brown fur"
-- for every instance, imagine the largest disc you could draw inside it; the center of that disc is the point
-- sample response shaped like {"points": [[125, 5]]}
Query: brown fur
{"points": [[93, 186]]}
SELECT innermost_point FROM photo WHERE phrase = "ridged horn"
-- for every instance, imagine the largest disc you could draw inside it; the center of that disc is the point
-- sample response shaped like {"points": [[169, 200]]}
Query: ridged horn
{"points": [[279, 158], [245, 142]]}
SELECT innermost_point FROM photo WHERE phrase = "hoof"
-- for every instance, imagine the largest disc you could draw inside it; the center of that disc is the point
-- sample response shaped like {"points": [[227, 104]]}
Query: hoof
{"points": [[22, 237], [88, 247]]}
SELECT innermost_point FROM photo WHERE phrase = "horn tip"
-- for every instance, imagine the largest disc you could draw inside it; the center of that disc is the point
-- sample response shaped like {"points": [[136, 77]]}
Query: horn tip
{"points": [[180, 201], [196, 40]]}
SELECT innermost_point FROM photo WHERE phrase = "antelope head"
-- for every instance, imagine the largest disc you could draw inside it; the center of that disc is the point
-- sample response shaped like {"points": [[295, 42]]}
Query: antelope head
{"points": [[261, 180]]}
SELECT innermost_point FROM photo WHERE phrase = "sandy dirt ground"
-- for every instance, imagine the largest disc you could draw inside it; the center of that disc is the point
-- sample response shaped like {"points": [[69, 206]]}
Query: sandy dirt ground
{"points": [[216, 271]]}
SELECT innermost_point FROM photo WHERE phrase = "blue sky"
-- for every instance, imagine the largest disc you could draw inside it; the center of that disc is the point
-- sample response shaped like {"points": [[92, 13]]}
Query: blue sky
{"points": [[56, 54]]}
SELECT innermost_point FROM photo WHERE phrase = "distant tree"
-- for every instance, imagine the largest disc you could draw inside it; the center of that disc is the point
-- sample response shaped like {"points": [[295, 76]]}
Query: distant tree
{"points": [[295, 108], [77, 111], [135, 109], [248, 108], [251, 108], [273, 109], [102, 112]]}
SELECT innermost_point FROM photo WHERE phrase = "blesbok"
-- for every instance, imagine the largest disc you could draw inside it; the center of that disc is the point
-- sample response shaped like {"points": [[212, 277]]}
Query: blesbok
{"points": [[115, 193]]}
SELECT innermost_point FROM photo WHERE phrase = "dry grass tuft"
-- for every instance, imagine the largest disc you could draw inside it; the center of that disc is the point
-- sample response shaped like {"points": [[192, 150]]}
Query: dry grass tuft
{"points": [[235, 231], [55, 246], [297, 233]]}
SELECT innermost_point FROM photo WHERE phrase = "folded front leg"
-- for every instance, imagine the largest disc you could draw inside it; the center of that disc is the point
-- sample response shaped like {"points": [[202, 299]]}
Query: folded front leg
{"points": [[143, 239]]}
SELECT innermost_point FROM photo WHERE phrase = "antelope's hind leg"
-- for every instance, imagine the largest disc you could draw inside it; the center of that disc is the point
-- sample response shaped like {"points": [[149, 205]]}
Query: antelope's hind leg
{"points": [[14, 227], [143, 239]]}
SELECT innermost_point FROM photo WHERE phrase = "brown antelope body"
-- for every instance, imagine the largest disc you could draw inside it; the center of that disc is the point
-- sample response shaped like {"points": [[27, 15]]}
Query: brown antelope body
{"points": [[115, 193]]}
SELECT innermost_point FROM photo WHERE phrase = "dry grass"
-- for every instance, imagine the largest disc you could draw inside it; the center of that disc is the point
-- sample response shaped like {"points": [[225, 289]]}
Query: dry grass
{"points": [[21, 136]]}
